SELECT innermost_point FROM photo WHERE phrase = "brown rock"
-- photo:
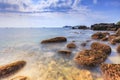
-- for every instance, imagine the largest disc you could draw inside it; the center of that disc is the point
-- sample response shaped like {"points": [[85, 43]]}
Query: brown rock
{"points": [[11, 68], [64, 51], [90, 57], [54, 40], [99, 35], [115, 40], [111, 71], [20, 78], [104, 39], [118, 32], [118, 49], [71, 45], [100, 46]]}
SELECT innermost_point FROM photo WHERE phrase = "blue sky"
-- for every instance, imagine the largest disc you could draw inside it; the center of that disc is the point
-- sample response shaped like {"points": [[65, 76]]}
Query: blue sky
{"points": [[57, 13]]}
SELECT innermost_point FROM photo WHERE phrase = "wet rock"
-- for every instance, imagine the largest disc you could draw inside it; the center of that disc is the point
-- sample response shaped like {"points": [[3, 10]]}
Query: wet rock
{"points": [[90, 57], [111, 71], [115, 40], [118, 49], [100, 46], [54, 40], [10, 69], [99, 35], [64, 52], [105, 39], [83, 44], [20, 78], [71, 45], [118, 32]]}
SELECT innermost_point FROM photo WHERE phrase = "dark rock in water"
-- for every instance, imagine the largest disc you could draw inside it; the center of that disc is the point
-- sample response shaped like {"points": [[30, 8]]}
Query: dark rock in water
{"points": [[110, 71], [99, 35], [80, 27], [54, 40], [64, 52], [20, 78], [90, 57], [118, 49], [118, 32], [67, 27], [105, 26], [10, 69], [105, 39], [83, 44], [71, 45], [100, 46]]}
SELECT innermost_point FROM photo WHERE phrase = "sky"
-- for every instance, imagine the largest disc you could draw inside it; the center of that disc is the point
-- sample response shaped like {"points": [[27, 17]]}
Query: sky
{"points": [[57, 13]]}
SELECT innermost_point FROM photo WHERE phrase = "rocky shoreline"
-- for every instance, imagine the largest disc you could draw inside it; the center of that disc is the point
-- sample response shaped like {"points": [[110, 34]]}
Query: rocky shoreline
{"points": [[93, 57]]}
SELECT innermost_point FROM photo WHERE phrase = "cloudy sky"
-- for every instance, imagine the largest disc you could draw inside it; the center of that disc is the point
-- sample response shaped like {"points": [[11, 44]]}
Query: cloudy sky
{"points": [[57, 13]]}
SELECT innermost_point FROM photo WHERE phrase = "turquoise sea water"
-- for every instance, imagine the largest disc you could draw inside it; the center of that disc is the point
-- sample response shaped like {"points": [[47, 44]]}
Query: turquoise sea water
{"points": [[24, 44]]}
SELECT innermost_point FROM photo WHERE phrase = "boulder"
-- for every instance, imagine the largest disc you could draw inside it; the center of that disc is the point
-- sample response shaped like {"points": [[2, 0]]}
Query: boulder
{"points": [[111, 38], [90, 57], [100, 46], [71, 45], [118, 32], [118, 49], [20, 78], [99, 35], [64, 52], [115, 40], [9, 69], [105, 39], [110, 71], [54, 40]]}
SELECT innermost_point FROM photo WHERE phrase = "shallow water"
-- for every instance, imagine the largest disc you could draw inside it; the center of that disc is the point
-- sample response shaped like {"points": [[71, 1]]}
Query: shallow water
{"points": [[43, 61]]}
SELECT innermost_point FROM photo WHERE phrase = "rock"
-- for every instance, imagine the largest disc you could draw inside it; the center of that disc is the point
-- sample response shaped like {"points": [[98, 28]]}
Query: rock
{"points": [[115, 40], [118, 32], [64, 52], [118, 49], [20, 78], [111, 38], [54, 40], [83, 44], [111, 71], [100, 46], [80, 27], [9, 69], [71, 45], [99, 35], [105, 39], [90, 57]]}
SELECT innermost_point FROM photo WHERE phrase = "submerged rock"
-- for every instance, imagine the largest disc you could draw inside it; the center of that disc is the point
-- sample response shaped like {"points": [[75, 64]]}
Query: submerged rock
{"points": [[99, 35], [111, 71], [9, 69], [71, 45], [20, 78], [90, 57], [56, 39], [118, 49], [83, 44], [100, 46], [64, 51]]}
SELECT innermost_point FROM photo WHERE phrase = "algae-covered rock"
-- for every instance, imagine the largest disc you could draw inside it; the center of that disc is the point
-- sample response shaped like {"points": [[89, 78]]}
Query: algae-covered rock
{"points": [[90, 57], [9, 69], [100, 46], [71, 45], [54, 40], [111, 71]]}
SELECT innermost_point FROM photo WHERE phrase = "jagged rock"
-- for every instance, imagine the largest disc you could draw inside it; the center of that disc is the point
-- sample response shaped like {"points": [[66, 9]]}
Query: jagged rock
{"points": [[64, 52], [100, 46], [20, 78], [71, 45], [111, 71], [54, 40], [9, 69], [99, 35], [90, 57], [118, 49], [118, 32]]}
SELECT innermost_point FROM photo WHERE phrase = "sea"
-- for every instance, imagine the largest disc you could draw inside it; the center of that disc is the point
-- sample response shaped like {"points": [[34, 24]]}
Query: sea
{"points": [[43, 62]]}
